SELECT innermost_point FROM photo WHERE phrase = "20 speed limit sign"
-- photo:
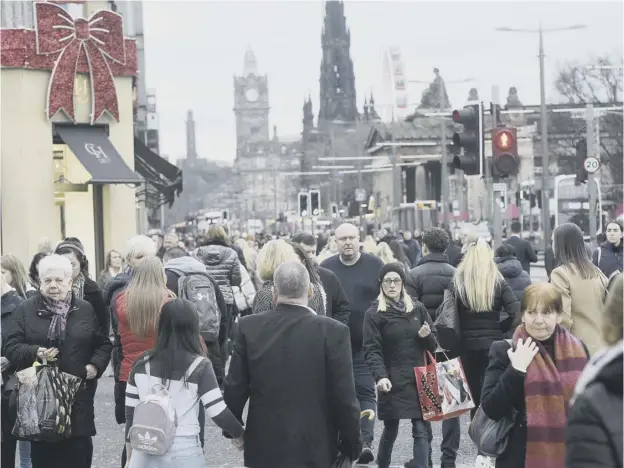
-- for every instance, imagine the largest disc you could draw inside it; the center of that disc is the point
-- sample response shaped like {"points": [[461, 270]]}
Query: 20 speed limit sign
{"points": [[591, 165]]}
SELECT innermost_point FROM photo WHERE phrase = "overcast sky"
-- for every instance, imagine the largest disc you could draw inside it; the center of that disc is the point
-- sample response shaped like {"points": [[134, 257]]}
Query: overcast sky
{"points": [[194, 48]]}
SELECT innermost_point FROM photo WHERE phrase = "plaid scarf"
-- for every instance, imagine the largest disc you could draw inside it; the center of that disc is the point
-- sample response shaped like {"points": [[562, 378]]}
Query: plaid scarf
{"points": [[59, 309], [78, 286], [548, 388]]}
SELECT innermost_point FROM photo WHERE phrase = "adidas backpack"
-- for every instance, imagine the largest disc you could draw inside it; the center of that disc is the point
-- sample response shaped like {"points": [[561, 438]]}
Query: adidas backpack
{"points": [[200, 290], [155, 420]]}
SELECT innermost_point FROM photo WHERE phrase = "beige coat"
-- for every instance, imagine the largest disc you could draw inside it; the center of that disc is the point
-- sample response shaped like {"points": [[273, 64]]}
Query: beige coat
{"points": [[582, 305]]}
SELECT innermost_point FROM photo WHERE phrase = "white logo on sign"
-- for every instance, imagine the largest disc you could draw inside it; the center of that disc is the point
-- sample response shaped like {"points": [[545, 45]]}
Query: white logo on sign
{"points": [[591, 165], [98, 152]]}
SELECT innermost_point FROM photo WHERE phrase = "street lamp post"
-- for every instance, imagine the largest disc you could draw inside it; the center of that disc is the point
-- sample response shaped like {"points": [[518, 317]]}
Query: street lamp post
{"points": [[544, 123]]}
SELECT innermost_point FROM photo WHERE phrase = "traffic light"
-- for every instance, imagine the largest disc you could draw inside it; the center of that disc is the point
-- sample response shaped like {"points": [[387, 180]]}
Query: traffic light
{"points": [[581, 156], [468, 144], [334, 210], [303, 203], [505, 158], [315, 202]]}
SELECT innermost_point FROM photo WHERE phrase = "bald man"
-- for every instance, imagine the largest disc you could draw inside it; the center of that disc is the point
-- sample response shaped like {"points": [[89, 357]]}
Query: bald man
{"points": [[358, 273]]}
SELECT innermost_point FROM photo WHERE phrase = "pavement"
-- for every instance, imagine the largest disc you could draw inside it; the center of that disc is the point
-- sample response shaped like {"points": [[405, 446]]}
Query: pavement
{"points": [[221, 454]]}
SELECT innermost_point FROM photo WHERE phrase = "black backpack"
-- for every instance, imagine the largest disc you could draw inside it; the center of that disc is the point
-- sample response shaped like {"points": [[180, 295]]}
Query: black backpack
{"points": [[199, 289]]}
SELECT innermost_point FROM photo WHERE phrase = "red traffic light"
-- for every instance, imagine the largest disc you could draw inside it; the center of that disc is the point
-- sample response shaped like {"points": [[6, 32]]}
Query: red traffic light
{"points": [[504, 139], [505, 151], [467, 116]]}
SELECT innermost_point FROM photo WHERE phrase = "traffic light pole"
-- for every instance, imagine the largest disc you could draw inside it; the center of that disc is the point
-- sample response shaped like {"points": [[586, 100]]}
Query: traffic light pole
{"points": [[489, 190], [494, 204], [591, 185], [444, 186], [544, 138]]}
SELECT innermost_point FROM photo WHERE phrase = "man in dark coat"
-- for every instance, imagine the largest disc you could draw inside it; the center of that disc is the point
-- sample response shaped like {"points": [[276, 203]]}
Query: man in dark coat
{"points": [[427, 283], [511, 269], [336, 303], [295, 369], [524, 250], [453, 251]]}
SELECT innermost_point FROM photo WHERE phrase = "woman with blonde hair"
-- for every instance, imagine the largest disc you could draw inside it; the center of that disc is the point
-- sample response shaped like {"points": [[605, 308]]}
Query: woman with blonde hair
{"points": [[481, 293], [369, 245], [384, 253], [329, 250], [594, 433], [15, 275], [272, 255], [397, 332], [137, 310]]}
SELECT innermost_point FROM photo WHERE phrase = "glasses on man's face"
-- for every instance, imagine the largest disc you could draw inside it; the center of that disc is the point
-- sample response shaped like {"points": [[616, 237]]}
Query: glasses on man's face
{"points": [[391, 281]]}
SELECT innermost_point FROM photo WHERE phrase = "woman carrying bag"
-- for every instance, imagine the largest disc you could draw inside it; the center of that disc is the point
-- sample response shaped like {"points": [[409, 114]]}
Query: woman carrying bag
{"points": [[397, 334]]}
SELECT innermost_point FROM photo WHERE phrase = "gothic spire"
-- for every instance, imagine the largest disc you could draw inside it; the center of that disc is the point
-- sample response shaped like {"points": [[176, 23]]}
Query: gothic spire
{"points": [[250, 66]]}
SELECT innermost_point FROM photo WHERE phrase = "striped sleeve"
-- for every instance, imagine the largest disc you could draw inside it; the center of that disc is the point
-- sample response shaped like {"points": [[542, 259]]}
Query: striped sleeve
{"points": [[212, 399], [132, 400]]}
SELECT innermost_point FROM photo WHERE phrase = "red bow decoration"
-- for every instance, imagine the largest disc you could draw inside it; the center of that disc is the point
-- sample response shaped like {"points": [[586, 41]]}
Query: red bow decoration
{"points": [[101, 38]]}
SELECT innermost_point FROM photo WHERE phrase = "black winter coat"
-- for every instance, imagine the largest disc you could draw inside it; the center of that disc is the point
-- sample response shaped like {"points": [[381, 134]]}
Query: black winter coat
{"points": [[479, 329], [608, 258], [223, 265], [454, 253], [84, 344], [428, 281], [336, 304], [594, 434], [517, 279], [93, 295], [392, 349], [8, 304]]}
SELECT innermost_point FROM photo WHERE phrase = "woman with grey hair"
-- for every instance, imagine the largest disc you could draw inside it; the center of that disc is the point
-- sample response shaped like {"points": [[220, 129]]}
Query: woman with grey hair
{"points": [[58, 325]]}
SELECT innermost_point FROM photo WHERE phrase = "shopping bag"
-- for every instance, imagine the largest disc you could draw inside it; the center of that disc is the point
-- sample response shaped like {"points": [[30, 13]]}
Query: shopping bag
{"points": [[44, 400], [453, 389], [442, 389], [447, 322]]}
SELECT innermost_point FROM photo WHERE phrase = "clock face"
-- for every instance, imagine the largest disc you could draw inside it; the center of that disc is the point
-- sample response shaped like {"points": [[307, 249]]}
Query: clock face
{"points": [[252, 94]]}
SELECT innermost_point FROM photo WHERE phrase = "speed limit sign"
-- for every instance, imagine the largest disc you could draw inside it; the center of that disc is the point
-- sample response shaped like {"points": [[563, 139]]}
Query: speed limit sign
{"points": [[591, 165]]}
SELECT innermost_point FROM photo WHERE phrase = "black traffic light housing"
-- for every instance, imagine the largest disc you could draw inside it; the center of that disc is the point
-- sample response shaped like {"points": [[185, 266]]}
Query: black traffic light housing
{"points": [[315, 203], [505, 159], [581, 156], [303, 204], [468, 144]]}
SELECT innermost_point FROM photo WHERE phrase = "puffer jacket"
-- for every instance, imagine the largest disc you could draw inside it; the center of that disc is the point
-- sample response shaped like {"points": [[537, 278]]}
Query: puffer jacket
{"points": [[427, 282], [223, 265], [245, 293], [594, 433], [517, 279]]}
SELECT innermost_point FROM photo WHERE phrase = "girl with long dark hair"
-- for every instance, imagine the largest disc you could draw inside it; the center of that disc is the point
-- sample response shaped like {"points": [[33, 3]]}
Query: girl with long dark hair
{"points": [[582, 285], [191, 382]]}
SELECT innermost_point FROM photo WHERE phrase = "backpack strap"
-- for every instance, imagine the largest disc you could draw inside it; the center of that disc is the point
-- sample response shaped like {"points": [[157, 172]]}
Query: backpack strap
{"points": [[192, 367]]}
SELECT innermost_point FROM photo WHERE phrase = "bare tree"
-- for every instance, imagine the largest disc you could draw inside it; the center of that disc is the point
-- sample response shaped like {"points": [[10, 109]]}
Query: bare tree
{"points": [[599, 81]]}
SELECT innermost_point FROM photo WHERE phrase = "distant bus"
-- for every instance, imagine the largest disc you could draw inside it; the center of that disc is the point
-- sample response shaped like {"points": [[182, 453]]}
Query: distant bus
{"points": [[572, 203]]}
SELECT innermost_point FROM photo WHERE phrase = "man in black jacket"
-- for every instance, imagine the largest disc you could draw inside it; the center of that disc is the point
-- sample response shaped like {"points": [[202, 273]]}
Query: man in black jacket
{"points": [[336, 302], [294, 367], [524, 250], [427, 283]]}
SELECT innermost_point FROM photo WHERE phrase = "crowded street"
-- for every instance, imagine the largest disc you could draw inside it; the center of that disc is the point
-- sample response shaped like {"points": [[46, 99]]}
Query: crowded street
{"points": [[311, 234]]}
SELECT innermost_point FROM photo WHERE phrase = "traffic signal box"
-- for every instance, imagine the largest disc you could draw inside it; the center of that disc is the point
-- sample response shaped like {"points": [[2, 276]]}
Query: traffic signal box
{"points": [[505, 160], [315, 203], [302, 205], [468, 144]]}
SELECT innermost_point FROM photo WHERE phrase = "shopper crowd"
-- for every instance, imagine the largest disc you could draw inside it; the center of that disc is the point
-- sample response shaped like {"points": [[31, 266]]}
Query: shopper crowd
{"points": [[324, 335]]}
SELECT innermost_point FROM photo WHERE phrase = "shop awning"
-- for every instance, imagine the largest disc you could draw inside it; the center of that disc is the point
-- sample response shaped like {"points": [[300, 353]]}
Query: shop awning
{"points": [[97, 154], [157, 171]]}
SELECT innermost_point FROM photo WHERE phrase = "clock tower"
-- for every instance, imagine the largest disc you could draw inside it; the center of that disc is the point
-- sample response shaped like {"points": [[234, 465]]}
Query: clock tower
{"points": [[251, 104]]}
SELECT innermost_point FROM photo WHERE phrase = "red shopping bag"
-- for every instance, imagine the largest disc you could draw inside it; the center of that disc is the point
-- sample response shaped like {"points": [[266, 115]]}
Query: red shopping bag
{"points": [[442, 389]]}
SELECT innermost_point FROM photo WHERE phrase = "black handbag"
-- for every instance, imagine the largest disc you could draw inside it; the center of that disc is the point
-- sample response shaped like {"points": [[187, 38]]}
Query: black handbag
{"points": [[491, 437], [447, 322]]}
